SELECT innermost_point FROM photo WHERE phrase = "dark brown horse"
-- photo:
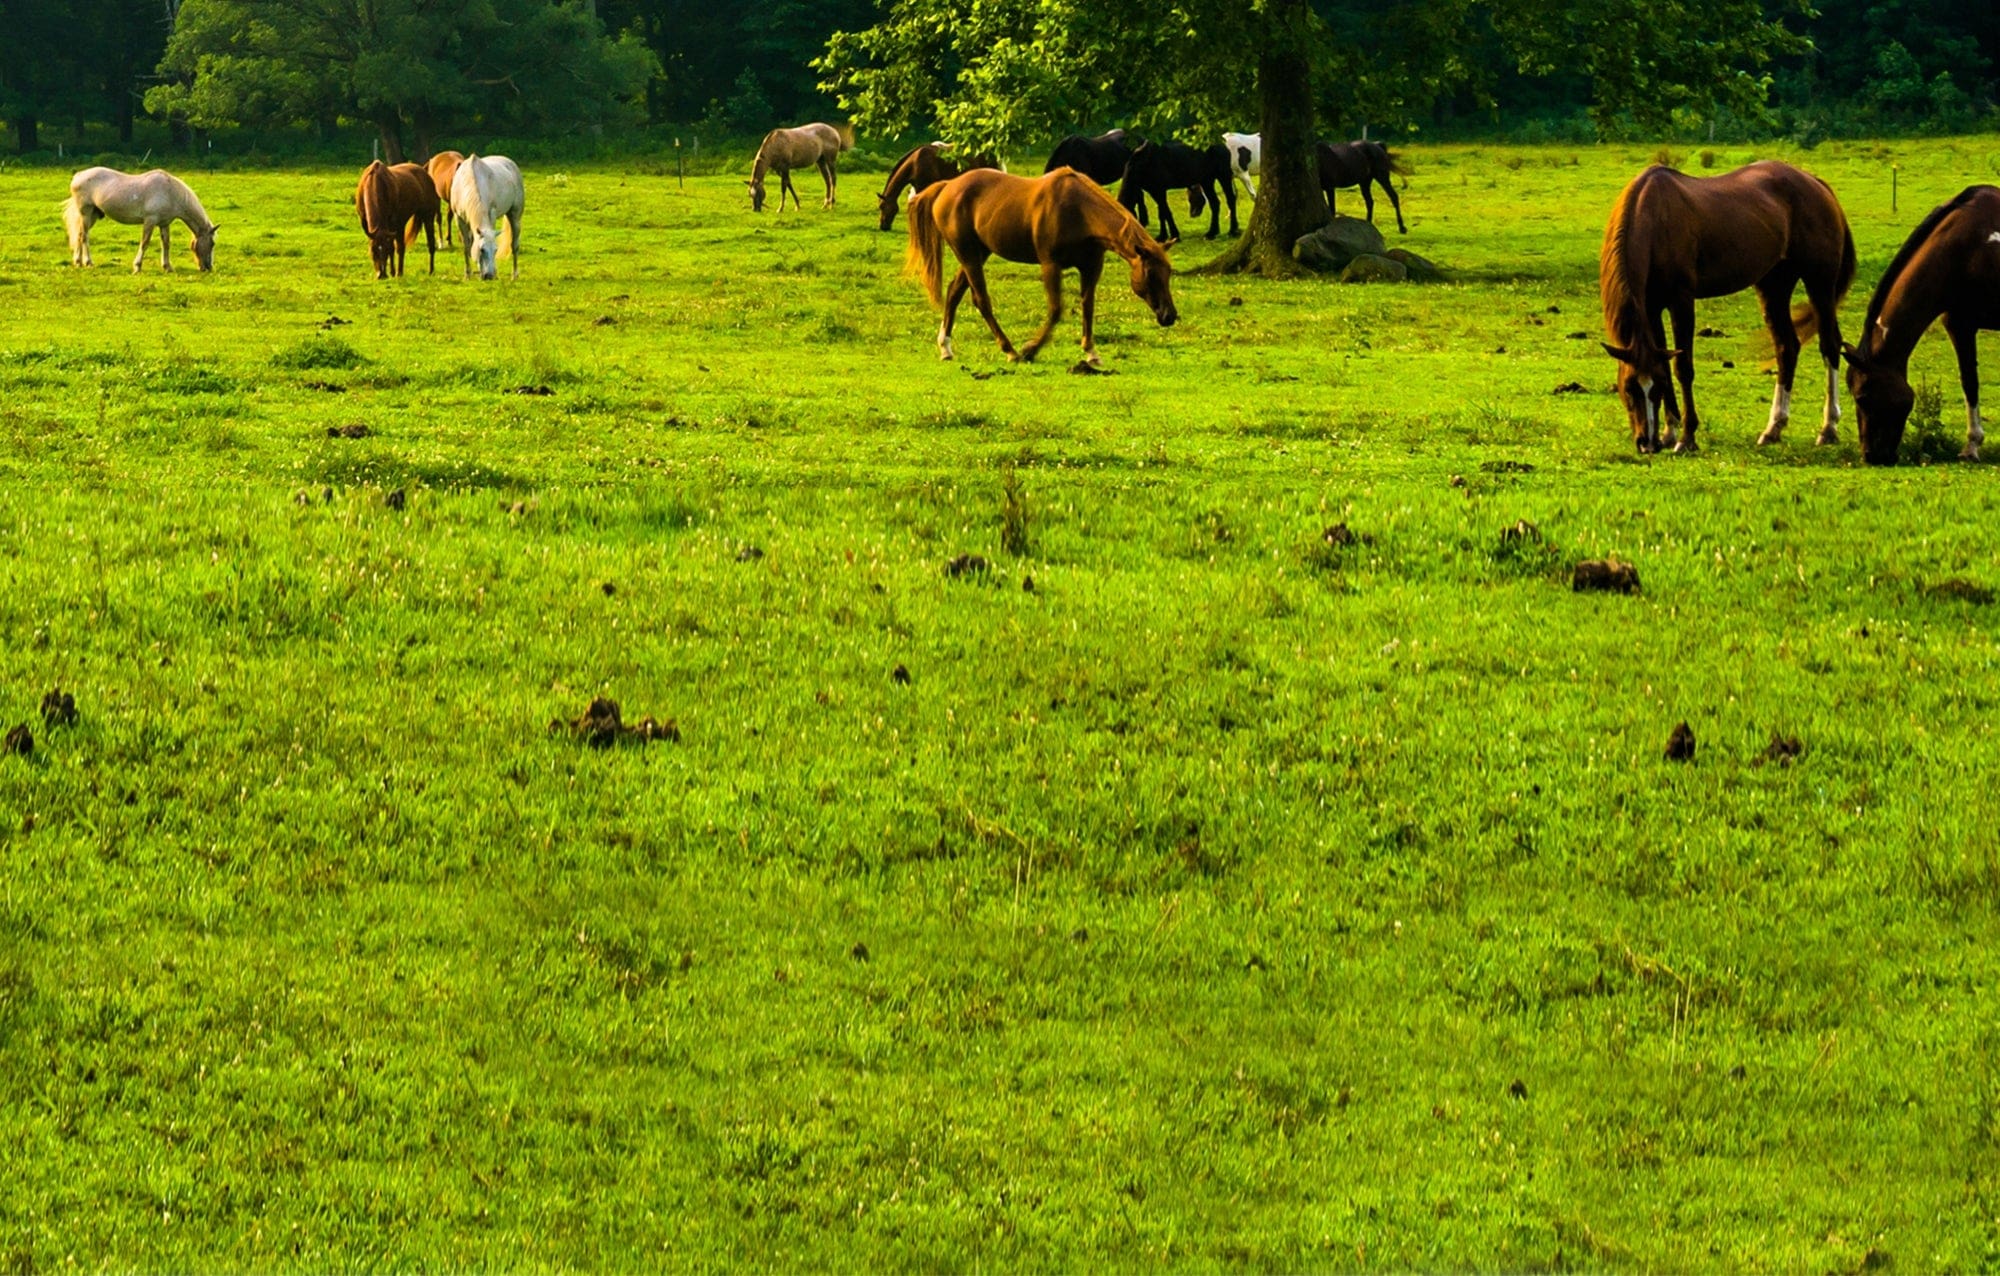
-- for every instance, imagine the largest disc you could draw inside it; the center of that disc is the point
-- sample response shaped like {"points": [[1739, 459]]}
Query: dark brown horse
{"points": [[1673, 238], [924, 166], [442, 167], [1358, 164], [394, 203], [1949, 266], [1059, 221], [1158, 167]]}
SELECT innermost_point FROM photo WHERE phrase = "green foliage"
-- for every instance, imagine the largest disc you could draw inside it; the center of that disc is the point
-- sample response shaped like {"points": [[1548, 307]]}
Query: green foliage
{"points": [[410, 64]]}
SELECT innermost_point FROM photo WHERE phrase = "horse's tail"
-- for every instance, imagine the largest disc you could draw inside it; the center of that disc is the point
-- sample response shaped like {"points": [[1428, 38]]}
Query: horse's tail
{"points": [[1397, 164], [72, 211], [926, 256], [1804, 318], [846, 132]]}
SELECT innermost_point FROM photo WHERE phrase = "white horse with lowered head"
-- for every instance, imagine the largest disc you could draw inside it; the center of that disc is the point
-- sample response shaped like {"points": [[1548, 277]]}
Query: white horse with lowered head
{"points": [[485, 189], [153, 201]]}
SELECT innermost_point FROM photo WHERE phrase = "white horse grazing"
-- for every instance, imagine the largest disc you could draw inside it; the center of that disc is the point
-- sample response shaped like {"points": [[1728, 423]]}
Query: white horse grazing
{"points": [[154, 200], [483, 190], [1246, 157]]}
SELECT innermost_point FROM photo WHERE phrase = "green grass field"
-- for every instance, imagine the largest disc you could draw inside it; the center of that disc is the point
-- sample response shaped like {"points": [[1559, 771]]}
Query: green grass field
{"points": [[1227, 898]]}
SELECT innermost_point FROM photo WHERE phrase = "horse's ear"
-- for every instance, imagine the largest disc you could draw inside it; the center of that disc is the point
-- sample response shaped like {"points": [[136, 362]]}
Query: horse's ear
{"points": [[1623, 356], [1855, 359], [1168, 246]]}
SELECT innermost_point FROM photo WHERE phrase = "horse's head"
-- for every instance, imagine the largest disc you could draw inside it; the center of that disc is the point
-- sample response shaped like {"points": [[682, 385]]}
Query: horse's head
{"points": [[1645, 379], [1151, 276], [886, 203], [204, 248], [382, 251], [486, 250], [756, 185], [1882, 402]]}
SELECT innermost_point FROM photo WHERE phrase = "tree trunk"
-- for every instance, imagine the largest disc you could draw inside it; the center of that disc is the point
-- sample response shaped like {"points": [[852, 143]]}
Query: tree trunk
{"points": [[26, 135], [390, 126], [1289, 201]]}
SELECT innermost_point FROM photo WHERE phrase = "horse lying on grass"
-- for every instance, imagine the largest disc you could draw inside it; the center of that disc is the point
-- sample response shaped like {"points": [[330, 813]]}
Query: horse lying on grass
{"points": [[1059, 221], [151, 201]]}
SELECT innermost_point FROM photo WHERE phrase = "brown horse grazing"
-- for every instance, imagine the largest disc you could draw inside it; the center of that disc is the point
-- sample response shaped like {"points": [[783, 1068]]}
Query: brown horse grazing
{"points": [[1949, 266], [393, 203], [1059, 221], [1358, 164], [924, 166], [1672, 239], [443, 166], [785, 149]]}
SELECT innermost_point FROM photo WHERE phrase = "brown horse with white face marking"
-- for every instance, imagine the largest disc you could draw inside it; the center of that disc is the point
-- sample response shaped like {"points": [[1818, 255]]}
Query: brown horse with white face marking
{"points": [[1949, 266], [1059, 221], [394, 203], [1673, 239], [925, 166]]}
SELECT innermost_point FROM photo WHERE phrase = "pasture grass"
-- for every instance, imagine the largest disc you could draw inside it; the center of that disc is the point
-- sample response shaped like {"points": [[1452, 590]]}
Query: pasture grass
{"points": [[1211, 887]]}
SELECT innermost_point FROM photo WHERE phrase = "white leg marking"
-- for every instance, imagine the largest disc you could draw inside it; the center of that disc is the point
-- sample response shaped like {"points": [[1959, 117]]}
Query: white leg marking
{"points": [[1827, 433], [1652, 412], [1781, 410], [1994, 237], [1975, 434], [944, 344]]}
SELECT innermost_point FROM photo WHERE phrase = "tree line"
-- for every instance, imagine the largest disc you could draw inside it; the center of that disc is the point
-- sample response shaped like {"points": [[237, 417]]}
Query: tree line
{"points": [[1006, 71]]}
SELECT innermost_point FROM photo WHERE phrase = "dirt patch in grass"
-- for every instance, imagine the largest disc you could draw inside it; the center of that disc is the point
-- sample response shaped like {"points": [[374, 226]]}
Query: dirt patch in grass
{"points": [[1604, 575], [601, 725]]}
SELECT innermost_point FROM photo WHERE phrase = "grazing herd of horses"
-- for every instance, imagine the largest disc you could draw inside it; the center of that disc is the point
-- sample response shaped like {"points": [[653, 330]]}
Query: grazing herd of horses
{"points": [[1671, 240]]}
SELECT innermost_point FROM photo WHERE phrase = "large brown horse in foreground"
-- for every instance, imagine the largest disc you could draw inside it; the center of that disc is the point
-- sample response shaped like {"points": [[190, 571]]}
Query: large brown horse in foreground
{"points": [[1949, 266], [443, 167], [1673, 239], [925, 166], [1059, 221], [394, 203]]}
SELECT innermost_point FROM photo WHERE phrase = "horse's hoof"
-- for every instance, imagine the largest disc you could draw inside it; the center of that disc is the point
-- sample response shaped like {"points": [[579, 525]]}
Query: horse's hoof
{"points": [[1771, 434], [1827, 437], [1687, 447], [1971, 452]]}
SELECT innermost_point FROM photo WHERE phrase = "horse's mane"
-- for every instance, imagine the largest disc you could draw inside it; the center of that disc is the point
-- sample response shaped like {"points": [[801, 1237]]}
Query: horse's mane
{"points": [[1623, 309], [1901, 261]]}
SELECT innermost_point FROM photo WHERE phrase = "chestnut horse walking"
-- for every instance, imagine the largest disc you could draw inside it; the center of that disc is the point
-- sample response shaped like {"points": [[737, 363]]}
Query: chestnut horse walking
{"points": [[924, 166], [1673, 238], [443, 167], [1059, 221], [1949, 266], [394, 203]]}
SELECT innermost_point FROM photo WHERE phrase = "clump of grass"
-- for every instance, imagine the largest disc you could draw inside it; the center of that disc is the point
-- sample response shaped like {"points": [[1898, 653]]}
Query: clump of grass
{"points": [[1666, 157], [1925, 438], [1706, 158], [319, 352], [1013, 513]]}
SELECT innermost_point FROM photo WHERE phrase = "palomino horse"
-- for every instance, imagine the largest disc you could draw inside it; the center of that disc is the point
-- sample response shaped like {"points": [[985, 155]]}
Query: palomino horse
{"points": [[1358, 164], [1158, 167], [441, 168], [154, 200], [484, 190], [394, 203], [785, 149], [924, 166], [1673, 239], [1059, 221], [1246, 157], [1949, 266]]}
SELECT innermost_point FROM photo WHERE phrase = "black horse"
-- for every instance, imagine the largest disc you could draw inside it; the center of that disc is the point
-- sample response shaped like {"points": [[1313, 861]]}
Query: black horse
{"points": [[1158, 167], [1102, 158], [1358, 164]]}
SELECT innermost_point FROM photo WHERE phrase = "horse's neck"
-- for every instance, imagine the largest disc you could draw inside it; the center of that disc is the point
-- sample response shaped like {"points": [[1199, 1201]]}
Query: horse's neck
{"points": [[1115, 231], [190, 207], [1916, 299], [762, 164]]}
